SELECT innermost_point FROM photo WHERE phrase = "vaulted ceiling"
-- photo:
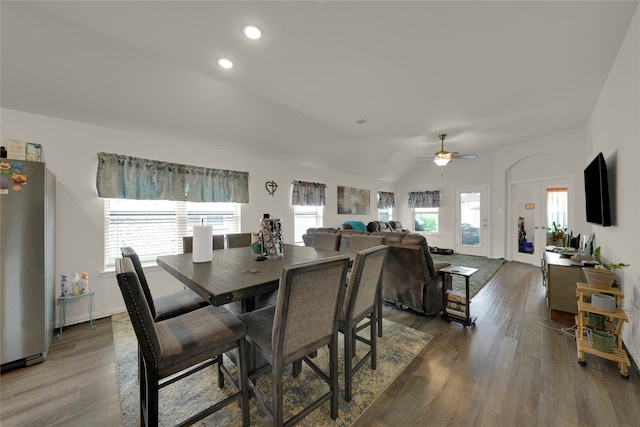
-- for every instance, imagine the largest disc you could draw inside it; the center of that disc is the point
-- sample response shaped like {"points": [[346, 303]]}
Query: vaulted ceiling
{"points": [[490, 74]]}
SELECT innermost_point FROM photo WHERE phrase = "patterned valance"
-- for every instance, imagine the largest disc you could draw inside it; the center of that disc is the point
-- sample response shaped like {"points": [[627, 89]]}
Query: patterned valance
{"points": [[424, 199], [308, 193], [126, 177], [386, 200]]}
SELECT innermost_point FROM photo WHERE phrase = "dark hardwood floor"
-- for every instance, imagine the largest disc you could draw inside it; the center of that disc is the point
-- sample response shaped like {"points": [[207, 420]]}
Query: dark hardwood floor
{"points": [[515, 367]]}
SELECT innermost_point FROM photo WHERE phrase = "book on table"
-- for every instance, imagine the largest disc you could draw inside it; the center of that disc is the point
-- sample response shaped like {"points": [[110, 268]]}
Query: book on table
{"points": [[456, 303]]}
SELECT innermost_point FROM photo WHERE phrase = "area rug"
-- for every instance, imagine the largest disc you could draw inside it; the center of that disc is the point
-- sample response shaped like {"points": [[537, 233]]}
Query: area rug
{"points": [[399, 346], [487, 267]]}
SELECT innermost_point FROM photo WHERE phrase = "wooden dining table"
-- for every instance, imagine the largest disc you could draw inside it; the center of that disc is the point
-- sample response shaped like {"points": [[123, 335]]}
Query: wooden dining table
{"points": [[235, 274]]}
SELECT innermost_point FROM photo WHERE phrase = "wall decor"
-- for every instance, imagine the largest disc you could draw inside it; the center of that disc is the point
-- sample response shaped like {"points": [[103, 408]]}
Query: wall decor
{"points": [[271, 187], [353, 201]]}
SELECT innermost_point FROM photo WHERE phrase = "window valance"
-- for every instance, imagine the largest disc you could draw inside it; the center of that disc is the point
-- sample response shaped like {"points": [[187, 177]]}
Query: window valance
{"points": [[386, 200], [308, 193], [126, 177], [424, 199]]}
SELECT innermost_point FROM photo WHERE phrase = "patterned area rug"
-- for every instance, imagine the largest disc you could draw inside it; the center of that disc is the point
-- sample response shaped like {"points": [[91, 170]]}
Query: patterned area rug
{"points": [[399, 346], [487, 267]]}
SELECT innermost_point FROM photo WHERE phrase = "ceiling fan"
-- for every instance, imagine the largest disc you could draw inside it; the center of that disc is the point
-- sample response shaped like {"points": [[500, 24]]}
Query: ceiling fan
{"points": [[441, 158]]}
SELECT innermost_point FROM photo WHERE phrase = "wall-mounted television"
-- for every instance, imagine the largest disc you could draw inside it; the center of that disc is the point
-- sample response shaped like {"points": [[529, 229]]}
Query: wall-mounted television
{"points": [[596, 192]]}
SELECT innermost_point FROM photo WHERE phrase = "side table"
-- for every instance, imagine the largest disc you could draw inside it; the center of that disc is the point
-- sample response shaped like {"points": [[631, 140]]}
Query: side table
{"points": [[62, 302], [456, 305]]}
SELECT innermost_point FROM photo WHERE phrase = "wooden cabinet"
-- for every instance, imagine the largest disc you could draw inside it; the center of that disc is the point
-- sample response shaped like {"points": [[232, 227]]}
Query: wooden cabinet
{"points": [[560, 277], [613, 325]]}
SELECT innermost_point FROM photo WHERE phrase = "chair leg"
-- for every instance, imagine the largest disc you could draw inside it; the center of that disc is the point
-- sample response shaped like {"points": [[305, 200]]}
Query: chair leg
{"points": [[276, 395], [374, 342], [348, 360], [148, 395], [379, 312], [296, 368], [219, 362], [333, 375], [243, 369]]}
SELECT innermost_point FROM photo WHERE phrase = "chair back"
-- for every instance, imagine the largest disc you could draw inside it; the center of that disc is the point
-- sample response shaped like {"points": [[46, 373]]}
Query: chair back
{"points": [[364, 282], [238, 240], [364, 241], [141, 317], [306, 314], [327, 241], [187, 243], [128, 252]]}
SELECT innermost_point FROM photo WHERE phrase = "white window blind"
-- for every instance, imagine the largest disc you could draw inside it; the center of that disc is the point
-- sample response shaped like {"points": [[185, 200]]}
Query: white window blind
{"points": [[385, 214], [306, 217], [156, 227]]}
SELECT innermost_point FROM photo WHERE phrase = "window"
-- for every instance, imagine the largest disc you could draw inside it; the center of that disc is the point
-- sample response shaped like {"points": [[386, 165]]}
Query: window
{"points": [[385, 214], [306, 217], [426, 219], [156, 227], [557, 207]]}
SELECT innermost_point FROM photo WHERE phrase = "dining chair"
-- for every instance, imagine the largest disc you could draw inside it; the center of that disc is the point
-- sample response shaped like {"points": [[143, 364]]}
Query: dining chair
{"points": [[360, 302], [173, 349], [304, 319], [168, 305], [363, 241], [328, 241], [187, 243], [238, 240]]}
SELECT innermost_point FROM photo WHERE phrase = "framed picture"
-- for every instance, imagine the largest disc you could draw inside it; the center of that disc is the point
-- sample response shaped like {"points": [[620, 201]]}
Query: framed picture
{"points": [[353, 201]]}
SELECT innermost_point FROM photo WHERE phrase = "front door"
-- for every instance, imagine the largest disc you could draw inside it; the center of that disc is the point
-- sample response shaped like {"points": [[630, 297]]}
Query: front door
{"points": [[472, 236]]}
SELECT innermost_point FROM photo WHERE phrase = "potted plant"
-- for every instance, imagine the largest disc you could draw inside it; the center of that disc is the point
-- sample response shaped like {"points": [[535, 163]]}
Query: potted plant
{"points": [[602, 275]]}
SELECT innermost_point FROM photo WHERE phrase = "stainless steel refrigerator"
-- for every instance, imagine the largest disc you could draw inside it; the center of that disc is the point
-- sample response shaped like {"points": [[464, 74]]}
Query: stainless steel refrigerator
{"points": [[27, 276]]}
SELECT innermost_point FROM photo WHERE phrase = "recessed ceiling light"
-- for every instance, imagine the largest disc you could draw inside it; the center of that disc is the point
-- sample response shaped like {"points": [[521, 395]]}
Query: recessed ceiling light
{"points": [[225, 63], [252, 32]]}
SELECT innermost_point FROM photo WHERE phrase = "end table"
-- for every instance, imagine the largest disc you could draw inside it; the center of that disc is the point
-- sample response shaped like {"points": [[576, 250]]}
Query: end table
{"points": [[62, 302], [456, 305]]}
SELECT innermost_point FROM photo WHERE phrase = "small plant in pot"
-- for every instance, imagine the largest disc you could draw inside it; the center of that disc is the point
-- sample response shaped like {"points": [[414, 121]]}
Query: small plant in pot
{"points": [[602, 275]]}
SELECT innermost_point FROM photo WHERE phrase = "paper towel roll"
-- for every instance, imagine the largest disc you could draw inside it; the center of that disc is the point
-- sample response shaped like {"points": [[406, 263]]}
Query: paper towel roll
{"points": [[202, 243]]}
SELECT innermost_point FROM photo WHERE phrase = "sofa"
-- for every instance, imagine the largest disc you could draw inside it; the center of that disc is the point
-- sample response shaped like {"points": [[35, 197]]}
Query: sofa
{"points": [[345, 239], [410, 279]]}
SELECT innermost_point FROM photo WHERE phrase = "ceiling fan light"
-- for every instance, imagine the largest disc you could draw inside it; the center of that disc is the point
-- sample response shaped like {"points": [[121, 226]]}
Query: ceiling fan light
{"points": [[441, 161]]}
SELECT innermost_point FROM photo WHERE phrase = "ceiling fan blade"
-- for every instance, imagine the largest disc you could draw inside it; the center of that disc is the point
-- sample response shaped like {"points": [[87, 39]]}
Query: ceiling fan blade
{"points": [[465, 156]]}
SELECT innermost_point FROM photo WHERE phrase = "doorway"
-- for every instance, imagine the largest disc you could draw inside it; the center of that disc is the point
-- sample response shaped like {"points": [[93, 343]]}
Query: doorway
{"points": [[533, 208], [472, 225]]}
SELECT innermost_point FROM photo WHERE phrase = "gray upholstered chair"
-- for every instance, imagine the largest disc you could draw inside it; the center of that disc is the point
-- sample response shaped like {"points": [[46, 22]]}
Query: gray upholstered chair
{"points": [[365, 241], [327, 241], [187, 243], [358, 243], [173, 349], [168, 305], [238, 240], [361, 302], [304, 319]]}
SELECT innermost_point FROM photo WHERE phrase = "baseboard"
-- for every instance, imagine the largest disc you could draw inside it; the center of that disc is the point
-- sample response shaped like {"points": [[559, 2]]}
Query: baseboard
{"points": [[85, 317]]}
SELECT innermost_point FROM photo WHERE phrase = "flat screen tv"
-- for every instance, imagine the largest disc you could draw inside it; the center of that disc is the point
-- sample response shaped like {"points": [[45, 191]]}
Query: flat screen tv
{"points": [[596, 192]]}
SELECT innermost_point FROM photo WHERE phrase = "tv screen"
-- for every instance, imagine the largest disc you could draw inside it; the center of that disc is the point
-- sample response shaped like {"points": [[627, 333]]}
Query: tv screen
{"points": [[596, 191]]}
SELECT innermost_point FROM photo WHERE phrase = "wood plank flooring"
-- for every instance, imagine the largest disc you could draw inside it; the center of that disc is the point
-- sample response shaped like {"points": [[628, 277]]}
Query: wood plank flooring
{"points": [[514, 368]]}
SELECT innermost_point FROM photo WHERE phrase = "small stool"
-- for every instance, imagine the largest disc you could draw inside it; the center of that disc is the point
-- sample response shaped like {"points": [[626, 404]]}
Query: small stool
{"points": [[62, 302]]}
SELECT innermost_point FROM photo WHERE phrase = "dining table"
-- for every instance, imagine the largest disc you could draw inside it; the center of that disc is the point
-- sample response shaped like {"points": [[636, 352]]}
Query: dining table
{"points": [[235, 274]]}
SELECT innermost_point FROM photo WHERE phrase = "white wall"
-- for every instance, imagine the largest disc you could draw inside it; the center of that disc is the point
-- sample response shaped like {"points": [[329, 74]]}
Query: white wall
{"points": [[614, 130], [70, 151], [549, 157]]}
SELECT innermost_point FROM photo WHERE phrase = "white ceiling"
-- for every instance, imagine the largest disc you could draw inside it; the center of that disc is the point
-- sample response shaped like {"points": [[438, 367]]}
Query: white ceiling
{"points": [[489, 74]]}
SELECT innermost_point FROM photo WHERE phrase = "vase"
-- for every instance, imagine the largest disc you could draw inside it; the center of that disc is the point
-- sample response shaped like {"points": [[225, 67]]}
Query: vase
{"points": [[599, 277]]}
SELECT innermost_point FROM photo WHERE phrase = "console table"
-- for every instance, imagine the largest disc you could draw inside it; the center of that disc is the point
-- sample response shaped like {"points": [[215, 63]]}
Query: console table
{"points": [[456, 305], [560, 276], [62, 302]]}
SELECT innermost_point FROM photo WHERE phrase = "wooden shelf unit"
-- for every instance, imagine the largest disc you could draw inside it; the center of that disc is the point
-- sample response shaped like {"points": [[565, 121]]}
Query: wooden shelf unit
{"points": [[463, 314], [614, 326]]}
